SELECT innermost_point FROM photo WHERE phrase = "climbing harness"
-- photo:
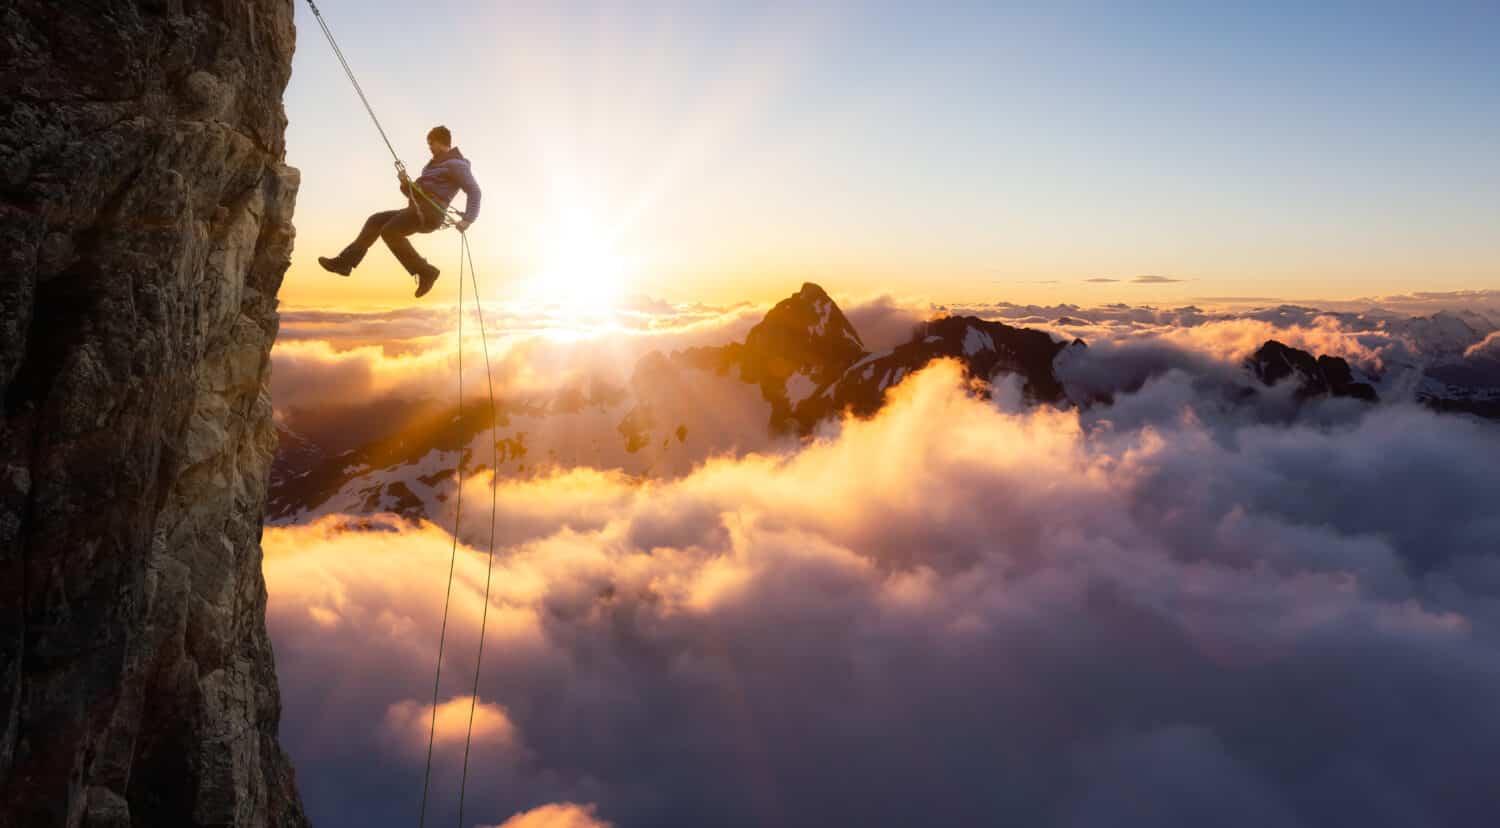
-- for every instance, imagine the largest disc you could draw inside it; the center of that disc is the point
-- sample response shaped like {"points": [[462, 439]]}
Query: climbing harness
{"points": [[451, 217]]}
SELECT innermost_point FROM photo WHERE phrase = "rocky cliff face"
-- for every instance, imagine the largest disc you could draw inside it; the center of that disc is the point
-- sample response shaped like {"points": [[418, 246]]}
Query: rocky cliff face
{"points": [[145, 225]]}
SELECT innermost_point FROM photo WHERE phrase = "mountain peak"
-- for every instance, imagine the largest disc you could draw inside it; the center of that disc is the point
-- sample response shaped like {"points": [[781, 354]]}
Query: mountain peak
{"points": [[1315, 376], [804, 332], [812, 292]]}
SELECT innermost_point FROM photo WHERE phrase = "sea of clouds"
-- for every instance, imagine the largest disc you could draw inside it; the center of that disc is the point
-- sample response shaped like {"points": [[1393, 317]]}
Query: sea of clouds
{"points": [[1172, 610], [324, 355]]}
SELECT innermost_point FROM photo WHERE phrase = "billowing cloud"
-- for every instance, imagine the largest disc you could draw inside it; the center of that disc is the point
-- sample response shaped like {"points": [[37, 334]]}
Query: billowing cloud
{"points": [[557, 815], [410, 724], [342, 379], [1488, 347], [1232, 340], [884, 321], [957, 612], [349, 359], [341, 359], [1385, 343]]}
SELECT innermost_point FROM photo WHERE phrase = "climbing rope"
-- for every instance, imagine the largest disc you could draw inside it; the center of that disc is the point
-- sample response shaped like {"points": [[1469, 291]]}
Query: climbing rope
{"points": [[450, 215], [465, 262], [489, 565], [339, 53], [458, 502]]}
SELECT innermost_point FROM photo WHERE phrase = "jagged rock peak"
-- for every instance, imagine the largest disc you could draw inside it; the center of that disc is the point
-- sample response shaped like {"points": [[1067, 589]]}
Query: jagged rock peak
{"points": [[1322, 376], [807, 333]]}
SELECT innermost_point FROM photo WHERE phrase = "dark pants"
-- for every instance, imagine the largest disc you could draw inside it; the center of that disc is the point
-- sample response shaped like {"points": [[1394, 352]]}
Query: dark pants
{"points": [[394, 226]]}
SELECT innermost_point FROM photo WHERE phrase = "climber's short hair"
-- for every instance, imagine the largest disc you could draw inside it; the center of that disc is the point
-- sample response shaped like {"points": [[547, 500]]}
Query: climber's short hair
{"points": [[441, 135]]}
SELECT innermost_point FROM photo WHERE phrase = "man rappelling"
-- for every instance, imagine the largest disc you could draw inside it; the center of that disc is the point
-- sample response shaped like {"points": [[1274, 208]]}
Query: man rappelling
{"points": [[427, 203]]}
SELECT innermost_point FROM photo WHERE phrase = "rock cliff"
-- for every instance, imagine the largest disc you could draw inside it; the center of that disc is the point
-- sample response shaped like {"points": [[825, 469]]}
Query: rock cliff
{"points": [[145, 225]]}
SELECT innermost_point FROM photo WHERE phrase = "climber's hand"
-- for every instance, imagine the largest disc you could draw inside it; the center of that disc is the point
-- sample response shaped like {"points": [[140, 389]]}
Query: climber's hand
{"points": [[462, 225]]}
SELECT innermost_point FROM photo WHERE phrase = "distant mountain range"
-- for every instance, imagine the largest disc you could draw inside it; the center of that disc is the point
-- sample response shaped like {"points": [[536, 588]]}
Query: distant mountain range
{"points": [[801, 365]]}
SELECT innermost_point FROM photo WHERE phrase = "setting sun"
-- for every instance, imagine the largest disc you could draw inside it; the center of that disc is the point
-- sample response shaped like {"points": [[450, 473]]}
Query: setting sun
{"points": [[576, 266]]}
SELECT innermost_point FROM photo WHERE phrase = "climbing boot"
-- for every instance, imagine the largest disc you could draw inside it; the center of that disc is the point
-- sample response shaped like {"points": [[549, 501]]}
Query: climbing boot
{"points": [[335, 265], [425, 280]]}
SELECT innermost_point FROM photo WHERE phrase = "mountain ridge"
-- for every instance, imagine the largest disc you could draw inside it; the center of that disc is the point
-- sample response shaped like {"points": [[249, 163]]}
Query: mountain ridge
{"points": [[802, 364]]}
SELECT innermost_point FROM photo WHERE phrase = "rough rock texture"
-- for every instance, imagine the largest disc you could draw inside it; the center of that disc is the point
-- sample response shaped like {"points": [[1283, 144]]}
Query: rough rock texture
{"points": [[145, 225], [1322, 376], [811, 364], [804, 335], [985, 349]]}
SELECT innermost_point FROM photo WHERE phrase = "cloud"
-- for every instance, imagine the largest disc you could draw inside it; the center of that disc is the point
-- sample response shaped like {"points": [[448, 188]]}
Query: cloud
{"points": [[344, 379], [955, 612], [1154, 280], [409, 723], [325, 357], [1101, 279], [884, 321], [1486, 302], [1232, 340], [355, 356], [557, 815], [1488, 347], [1393, 349]]}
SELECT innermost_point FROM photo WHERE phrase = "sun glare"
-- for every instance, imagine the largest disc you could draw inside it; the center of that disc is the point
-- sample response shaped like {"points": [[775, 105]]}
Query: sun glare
{"points": [[579, 269]]}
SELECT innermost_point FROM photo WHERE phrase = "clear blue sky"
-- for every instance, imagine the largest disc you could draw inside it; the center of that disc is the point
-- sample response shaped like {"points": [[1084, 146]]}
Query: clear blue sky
{"points": [[968, 151]]}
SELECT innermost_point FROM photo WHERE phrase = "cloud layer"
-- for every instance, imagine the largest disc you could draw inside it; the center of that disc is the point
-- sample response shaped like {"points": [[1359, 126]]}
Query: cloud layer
{"points": [[342, 376], [959, 612], [327, 358]]}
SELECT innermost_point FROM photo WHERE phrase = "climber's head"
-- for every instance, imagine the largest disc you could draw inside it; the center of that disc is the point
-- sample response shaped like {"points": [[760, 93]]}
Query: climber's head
{"points": [[439, 140]]}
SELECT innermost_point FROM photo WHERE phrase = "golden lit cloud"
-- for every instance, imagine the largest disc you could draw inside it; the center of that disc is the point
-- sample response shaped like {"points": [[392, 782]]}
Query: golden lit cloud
{"points": [[557, 815], [1232, 340], [952, 574], [408, 723]]}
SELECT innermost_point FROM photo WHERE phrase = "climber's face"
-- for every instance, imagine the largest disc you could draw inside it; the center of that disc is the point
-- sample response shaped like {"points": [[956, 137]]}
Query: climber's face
{"points": [[436, 146]]}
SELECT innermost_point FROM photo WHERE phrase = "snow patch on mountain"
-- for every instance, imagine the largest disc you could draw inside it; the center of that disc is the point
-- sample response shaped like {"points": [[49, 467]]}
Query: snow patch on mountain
{"points": [[975, 341], [799, 387]]}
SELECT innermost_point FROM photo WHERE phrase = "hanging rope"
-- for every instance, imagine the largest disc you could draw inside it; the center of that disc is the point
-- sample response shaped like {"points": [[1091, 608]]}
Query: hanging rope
{"points": [[450, 216], [458, 502], [466, 257], [465, 261], [339, 53], [466, 253]]}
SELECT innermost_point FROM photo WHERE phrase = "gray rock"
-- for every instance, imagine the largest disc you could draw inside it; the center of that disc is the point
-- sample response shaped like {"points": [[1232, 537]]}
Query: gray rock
{"points": [[145, 226]]}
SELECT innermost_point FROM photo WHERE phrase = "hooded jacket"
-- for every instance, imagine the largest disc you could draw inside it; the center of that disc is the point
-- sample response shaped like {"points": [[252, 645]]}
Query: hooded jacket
{"points": [[444, 176]]}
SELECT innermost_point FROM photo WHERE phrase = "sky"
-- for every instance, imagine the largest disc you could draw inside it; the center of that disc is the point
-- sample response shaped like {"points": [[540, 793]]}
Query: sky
{"points": [[716, 152]]}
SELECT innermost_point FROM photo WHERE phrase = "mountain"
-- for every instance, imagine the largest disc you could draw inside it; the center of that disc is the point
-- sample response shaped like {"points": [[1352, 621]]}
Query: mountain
{"points": [[802, 364], [1443, 336], [985, 349], [1322, 376], [145, 213], [802, 345]]}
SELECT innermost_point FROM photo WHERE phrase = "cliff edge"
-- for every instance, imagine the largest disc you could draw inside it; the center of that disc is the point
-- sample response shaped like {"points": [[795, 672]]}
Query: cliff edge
{"points": [[145, 226]]}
